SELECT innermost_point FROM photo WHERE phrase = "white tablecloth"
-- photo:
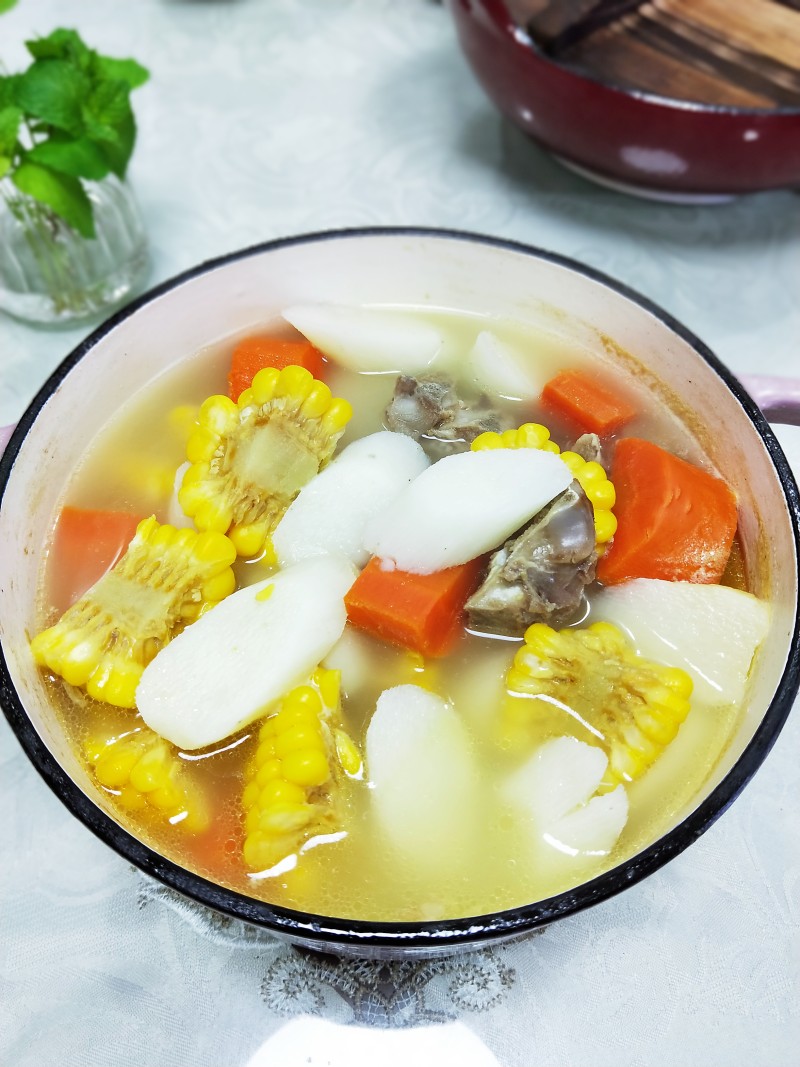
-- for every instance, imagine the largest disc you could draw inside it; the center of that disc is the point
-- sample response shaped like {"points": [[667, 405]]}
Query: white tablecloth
{"points": [[272, 117]]}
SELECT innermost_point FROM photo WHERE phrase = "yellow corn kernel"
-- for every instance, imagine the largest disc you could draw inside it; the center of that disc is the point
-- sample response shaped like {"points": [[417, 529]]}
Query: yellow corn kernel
{"points": [[300, 716], [297, 739], [306, 767], [220, 586], [631, 705], [317, 402], [532, 435], [336, 418], [294, 384], [213, 515], [486, 440], [573, 461], [202, 445], [605, 526], [218, 414], [286, 818], [263, 388], [265, 593], [264, 752], [165, 797], [152, 479], [114, 765], [182, 420], [257, 851], [603, 494], [329, 683], [248, 539], [106, 639], [131, 800], [267, 729], [145, 772], [303, 697], [348, 754], [269, 771], [278, 790], [151, 770]]}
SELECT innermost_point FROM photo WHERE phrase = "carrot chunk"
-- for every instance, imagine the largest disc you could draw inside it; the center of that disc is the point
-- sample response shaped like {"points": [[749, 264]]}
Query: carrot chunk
{"points": [[87, 543], [587, 402], [675, 521], [417, 611], [254, 353]]}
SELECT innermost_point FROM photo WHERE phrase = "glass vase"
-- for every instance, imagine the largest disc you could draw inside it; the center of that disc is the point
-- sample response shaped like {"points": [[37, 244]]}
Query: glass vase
{"points": [[51, 275]]}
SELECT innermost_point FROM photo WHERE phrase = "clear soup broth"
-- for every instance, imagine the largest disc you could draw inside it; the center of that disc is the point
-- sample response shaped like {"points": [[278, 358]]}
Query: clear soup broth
{"points": [[351, 867]]}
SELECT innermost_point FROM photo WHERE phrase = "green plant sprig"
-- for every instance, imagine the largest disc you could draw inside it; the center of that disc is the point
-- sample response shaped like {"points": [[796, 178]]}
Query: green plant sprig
{"points": [[65, 120]]}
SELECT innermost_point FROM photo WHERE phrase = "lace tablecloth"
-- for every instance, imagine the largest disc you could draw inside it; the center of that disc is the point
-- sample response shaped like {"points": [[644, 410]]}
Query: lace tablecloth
{"points": [[264, 119]]}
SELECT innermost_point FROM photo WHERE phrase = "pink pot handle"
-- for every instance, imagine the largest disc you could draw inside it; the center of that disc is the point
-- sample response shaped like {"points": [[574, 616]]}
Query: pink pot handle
{"points": [[778, 398]]}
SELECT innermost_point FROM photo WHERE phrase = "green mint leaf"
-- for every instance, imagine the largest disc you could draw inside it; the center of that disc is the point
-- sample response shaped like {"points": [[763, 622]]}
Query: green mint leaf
{"points": [[8, 90], [10, 118], [63, 194], [6, 5], [5, 166], [117, 154], [81, 157], [109, 123], [54, 91], [106, 108], [130, 72], [60, 44]]}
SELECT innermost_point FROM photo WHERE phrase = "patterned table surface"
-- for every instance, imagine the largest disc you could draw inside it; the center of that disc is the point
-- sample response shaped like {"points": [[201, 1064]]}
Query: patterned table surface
{"points": [[270, 118]]}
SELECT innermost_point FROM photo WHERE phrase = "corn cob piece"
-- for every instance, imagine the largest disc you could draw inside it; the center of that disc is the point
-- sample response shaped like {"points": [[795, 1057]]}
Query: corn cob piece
{"points": [[591, 476], [292, 781], [165, 580], [145, 772], [631, 706], [250, 459]]}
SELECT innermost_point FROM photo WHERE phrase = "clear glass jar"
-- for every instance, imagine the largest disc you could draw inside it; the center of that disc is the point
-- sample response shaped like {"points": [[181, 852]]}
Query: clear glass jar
{"points": [[51, 275]]}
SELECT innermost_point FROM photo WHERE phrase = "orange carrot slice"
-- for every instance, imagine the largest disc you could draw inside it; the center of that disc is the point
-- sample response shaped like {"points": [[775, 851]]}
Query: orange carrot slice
{"points": [[417, 611], [675, 521], [586, 402], [87, 543], [254, 353]]}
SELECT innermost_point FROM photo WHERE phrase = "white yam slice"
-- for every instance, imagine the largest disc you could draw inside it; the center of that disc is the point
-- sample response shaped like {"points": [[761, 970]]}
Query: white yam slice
{"points": [[463, 506], [554, 789], [500, 369], [421, 769], [330, 512], [711, 631], [226, 669], [351, 657], [594, 828], [366, 339]]}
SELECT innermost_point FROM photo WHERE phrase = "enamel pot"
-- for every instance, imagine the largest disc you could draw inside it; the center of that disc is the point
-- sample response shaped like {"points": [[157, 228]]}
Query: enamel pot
{"points": [[633, 140], [425, 268]]}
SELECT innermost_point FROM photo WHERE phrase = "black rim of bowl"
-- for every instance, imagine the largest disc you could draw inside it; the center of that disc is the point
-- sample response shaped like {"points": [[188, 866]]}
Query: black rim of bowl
{"points": [[352, 934]]}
